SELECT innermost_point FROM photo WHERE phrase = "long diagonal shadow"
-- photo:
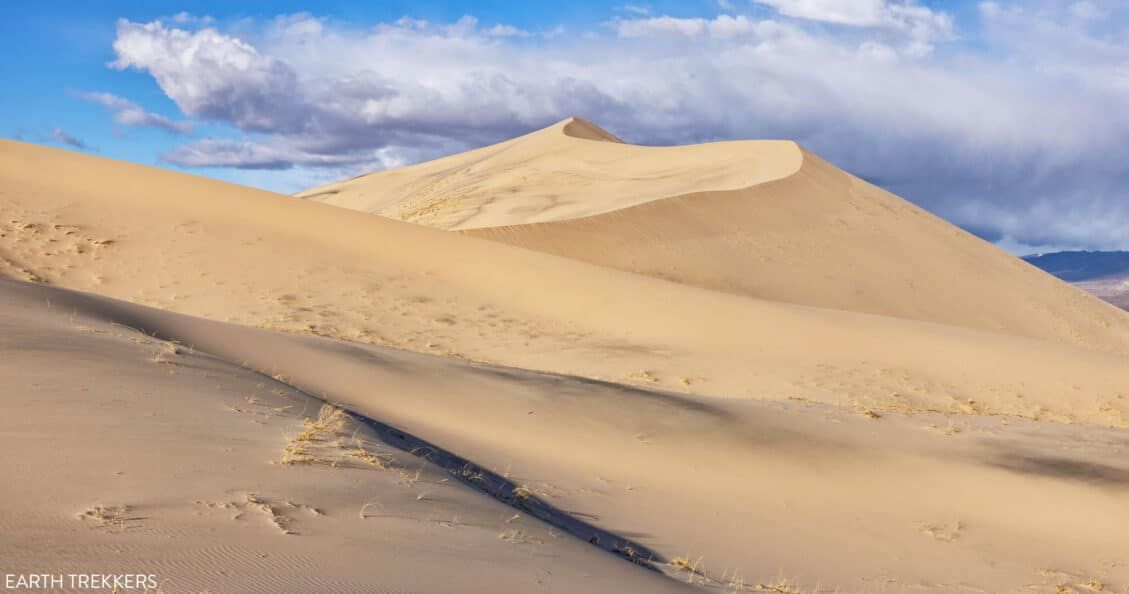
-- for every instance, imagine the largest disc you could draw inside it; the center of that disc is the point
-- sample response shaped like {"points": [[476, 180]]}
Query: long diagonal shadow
{"points": [[153, 323], [513, 495]]}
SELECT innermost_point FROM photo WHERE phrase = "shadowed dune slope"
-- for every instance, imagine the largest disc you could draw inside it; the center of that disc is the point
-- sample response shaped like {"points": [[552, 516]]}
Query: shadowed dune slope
{"points": [[824, 238], [570, 169], [128, 453], [230, 253]]}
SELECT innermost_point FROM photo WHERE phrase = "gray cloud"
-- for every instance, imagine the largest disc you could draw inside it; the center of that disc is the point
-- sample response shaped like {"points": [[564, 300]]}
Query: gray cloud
{"points": [[1023, 141], [128, 113], [66, 138], [244, 154]]}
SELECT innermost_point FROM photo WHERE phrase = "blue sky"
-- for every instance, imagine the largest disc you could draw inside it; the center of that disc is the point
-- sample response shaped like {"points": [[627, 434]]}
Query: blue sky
{"points": [[1008, 118]]}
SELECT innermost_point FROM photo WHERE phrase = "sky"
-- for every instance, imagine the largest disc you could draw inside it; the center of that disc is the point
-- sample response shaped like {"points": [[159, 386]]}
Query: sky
{"points": [[1010, 119]]}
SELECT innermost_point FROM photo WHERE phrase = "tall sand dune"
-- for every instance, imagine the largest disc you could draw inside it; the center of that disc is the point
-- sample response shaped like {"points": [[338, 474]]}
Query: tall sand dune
{"points": [[761, 219], [568, 170]]}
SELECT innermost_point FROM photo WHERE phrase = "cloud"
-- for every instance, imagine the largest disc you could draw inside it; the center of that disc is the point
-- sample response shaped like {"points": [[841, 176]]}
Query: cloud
{"points": [[245, 154], [186, 18], [635, 9], [721, 27], [1087, 11], [1021, 135], [209, 75], [506, 31], [905, 15], [922, 25], [68, 139], [128, 113]]}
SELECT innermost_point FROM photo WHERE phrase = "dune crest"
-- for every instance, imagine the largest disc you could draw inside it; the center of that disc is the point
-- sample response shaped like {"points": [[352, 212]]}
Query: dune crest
{"points": [[582, 128], [554, 174], [825, 238]]}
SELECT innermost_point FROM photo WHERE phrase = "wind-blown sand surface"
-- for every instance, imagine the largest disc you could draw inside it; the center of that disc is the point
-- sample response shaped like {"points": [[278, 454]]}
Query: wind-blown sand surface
{"points": [[769, 220], [568, 170], [717, 438]]}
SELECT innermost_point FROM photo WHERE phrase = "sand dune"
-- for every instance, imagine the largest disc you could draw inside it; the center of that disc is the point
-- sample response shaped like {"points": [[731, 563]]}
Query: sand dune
{"points": [[822, 237], [128, 453], [770, 220], [671, 420], [748, 492], [568, 170], [224, 252]]}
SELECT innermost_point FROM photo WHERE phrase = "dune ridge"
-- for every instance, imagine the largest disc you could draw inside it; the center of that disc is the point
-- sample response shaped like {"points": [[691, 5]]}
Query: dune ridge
{"points": [[824, 238], [552, 174]]}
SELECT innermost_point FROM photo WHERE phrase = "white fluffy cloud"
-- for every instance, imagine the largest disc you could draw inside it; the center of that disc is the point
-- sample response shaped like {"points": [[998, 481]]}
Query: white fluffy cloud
{"points": [[1026, 140], [920, 25], [721, 27], [905, 15], [208, 74]]}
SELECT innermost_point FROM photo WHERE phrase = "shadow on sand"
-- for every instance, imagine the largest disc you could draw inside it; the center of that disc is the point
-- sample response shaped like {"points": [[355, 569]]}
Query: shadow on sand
{"points": [[514, 495]]}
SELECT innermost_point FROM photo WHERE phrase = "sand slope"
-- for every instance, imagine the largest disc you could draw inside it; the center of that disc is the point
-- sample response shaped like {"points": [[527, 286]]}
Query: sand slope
{"points": [[678, 421], [825, 238], [224, 252], [570, 169], [763, 219], [748, 492], [127, 453]]}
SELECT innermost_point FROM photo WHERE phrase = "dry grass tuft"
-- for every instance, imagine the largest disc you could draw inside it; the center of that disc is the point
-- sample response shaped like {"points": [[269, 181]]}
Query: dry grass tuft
{"points": [[643, 376], [368, 505], [326, 441], [377, 461], [166, 352], [1094, 585], [470, 473], [780, 586], [298, 449], [691, 567], [632, 554]]}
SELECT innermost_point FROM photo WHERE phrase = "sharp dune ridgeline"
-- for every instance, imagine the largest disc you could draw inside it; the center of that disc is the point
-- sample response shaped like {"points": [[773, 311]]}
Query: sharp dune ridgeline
{"points": [[561, 363]]}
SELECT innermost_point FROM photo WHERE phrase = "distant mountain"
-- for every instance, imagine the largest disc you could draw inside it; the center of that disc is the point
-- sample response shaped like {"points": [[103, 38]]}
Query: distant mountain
{"points": [[1105, 274], [1080, 266]]}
